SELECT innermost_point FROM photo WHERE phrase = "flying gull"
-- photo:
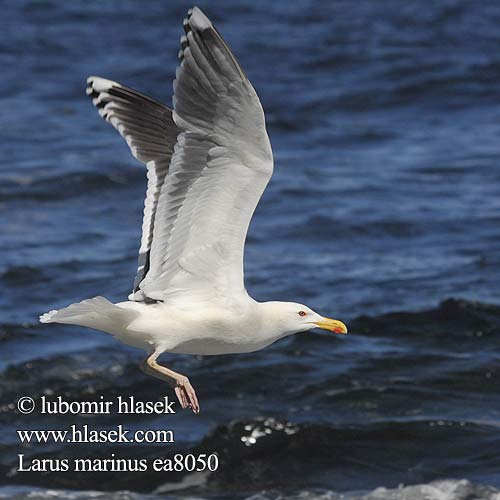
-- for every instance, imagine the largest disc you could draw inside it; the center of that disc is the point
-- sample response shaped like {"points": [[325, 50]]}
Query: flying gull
{"points": [[208, 162]]}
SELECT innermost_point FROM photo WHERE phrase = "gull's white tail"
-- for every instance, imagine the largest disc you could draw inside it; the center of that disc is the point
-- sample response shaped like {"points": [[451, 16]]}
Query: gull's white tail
{"points": [[97, 313]]}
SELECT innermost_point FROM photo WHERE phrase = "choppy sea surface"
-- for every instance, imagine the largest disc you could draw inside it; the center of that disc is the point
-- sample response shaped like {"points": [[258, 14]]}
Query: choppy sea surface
{"points": [[384, 211]]}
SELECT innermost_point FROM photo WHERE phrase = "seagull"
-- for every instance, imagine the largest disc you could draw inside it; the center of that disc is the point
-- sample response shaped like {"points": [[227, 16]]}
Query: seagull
{"points": [[208, 162]]}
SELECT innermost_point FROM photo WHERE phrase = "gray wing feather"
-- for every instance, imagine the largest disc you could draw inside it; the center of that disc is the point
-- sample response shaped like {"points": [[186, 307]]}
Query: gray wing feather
{"points": [[150, 132]]}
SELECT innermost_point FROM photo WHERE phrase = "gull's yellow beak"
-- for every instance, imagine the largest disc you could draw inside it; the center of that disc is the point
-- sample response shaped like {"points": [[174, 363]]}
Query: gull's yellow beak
{"points": [[333, 325]]}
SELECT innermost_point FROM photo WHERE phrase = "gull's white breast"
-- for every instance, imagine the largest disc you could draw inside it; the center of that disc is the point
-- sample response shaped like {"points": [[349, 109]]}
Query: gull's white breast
{"points": [[206, 329]]}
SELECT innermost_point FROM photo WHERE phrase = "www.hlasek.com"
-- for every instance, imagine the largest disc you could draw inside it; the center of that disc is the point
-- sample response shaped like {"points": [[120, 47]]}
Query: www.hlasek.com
{"points": [[78, 434]]}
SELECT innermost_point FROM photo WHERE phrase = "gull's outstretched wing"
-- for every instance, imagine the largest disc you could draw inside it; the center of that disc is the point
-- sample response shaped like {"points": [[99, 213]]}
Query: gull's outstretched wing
{"points": [[221, 165], [149, 130]]}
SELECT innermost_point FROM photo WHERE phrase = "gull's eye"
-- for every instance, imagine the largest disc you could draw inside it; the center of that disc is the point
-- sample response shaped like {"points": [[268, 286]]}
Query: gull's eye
{"points": [[302, 313]]}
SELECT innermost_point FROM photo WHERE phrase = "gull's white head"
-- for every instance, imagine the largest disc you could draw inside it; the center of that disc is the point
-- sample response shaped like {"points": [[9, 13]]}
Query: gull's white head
{"points": [[291, 317]]}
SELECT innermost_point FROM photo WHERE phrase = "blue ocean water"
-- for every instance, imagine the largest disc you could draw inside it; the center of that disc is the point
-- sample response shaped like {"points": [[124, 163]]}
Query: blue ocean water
{"points": [[385, 123]]}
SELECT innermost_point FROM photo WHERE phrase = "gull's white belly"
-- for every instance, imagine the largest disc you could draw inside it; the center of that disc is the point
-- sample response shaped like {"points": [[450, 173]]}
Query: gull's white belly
{"points": [[212, 346], [204, 331]]}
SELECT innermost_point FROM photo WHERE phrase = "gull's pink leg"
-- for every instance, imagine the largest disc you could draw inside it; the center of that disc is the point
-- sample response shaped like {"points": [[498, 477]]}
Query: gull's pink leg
{"points": [[182, 387]]}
